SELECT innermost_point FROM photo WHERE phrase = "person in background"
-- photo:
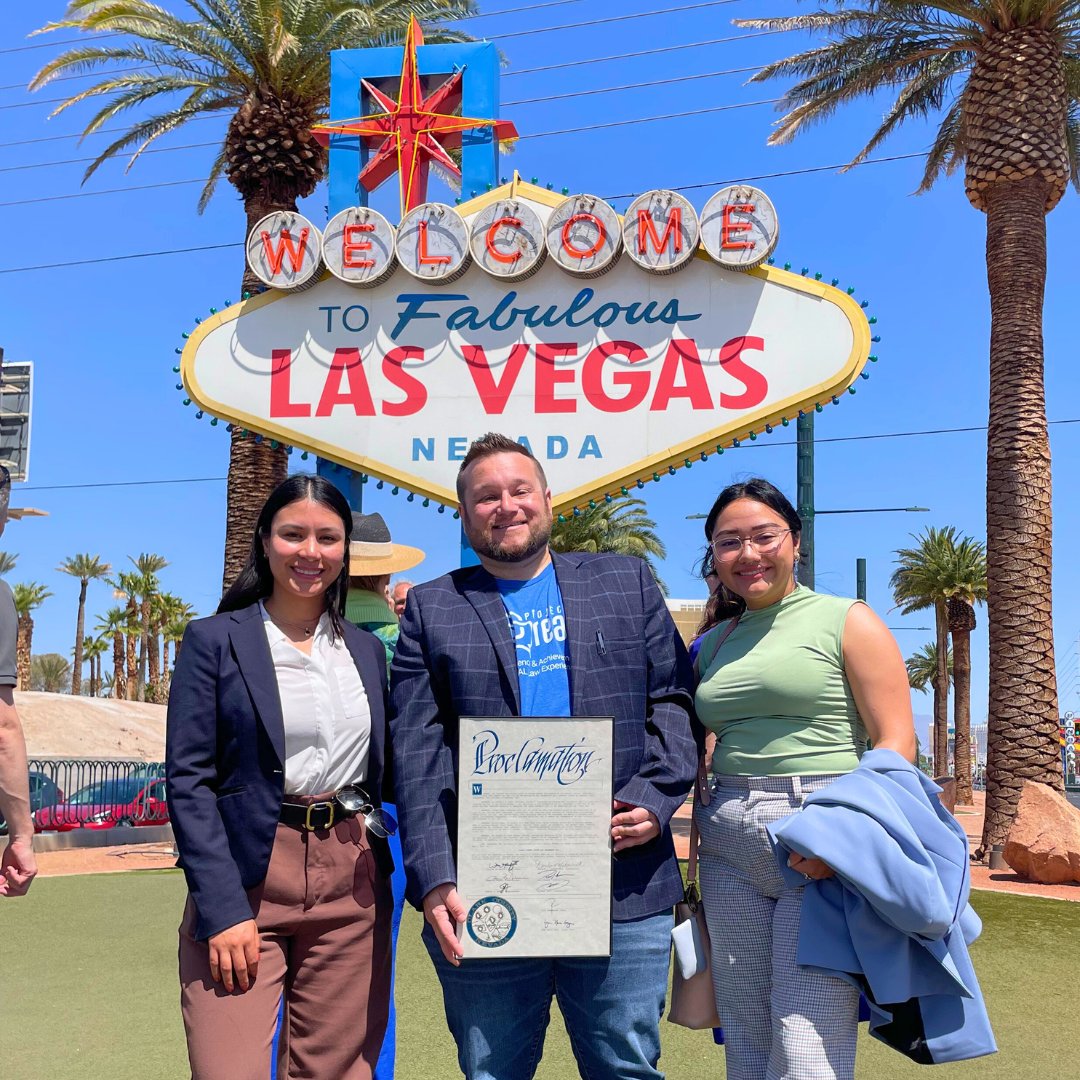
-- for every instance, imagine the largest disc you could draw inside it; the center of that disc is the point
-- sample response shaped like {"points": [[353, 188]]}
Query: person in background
{"points": [[398, 594], [275, 748], [792, 694], [373, 557], [17, 865]]}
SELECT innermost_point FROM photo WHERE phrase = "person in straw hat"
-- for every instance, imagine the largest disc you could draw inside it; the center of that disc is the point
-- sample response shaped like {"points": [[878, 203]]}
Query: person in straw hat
{"points": [[373, 558]]}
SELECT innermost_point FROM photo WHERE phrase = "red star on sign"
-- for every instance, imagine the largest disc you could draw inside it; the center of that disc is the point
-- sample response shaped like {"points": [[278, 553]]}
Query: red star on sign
{"points": [[413, 131]]}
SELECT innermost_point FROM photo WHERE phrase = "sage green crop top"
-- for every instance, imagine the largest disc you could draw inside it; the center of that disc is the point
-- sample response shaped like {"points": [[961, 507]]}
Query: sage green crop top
{"points": [[776, 693]]}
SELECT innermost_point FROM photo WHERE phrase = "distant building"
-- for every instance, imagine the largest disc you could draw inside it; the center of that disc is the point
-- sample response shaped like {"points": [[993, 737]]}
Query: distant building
{"points": [[687, 615]]}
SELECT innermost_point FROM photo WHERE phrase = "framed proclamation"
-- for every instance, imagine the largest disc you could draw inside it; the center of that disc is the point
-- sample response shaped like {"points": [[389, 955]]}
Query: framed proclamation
{"points": [[534, 835]]}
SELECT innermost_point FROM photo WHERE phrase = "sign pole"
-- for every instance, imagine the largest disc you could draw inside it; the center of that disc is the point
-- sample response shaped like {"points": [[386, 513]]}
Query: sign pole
{"points": [[804, 470], [860, 579]]}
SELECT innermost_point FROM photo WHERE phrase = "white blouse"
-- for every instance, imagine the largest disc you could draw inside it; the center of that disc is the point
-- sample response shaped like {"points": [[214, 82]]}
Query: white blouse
{"points": [[325, 709]]}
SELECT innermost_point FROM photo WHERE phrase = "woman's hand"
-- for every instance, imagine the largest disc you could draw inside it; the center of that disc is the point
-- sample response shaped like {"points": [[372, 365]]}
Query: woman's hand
{"points": [[814, 869], [234, 956]]}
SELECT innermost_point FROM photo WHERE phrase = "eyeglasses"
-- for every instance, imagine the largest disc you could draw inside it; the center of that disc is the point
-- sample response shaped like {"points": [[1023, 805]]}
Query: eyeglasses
{"points": [[764, 542], [377, 820]]}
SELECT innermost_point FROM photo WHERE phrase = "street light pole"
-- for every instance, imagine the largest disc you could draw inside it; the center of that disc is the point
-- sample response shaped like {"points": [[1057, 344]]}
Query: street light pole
{"points": [[804, 497]]}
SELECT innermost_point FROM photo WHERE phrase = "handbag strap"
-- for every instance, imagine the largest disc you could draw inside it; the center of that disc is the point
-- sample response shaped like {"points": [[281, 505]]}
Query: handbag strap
{"points": [[702, 780]]}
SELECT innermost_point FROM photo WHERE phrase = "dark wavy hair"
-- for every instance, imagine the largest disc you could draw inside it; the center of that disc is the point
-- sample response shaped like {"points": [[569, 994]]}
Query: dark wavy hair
{"points": [[728, 604], [255, 581]]}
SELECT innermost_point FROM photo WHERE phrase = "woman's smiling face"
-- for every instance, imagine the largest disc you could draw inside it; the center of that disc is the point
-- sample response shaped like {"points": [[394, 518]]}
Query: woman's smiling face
{"points": [[754, 552]]}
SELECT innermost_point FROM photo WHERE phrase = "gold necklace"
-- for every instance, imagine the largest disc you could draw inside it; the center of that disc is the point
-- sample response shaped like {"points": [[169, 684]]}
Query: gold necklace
{"points": [[306, 630]]}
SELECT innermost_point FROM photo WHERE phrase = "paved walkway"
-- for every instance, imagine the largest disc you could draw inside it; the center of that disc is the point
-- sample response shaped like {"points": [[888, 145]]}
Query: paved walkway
{"points": [[971, 817]]}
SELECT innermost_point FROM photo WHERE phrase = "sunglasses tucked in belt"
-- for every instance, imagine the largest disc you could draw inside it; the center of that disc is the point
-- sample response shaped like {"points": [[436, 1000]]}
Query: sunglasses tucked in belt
{"points": [[345, 803]]}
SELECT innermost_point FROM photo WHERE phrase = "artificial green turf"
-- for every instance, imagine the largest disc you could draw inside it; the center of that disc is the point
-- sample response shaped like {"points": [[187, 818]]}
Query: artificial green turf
{"points": [[88, 991]]}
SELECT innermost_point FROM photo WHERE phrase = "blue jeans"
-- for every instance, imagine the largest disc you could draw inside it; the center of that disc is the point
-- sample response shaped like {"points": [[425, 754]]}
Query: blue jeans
{"points": [[498, 1010]]}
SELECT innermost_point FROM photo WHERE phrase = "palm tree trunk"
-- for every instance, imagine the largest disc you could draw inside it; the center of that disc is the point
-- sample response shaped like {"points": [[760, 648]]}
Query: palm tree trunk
{"points": [[255, 469], [22, 650], [77, 662], [1022, 719], [120, 684], [144, 642], [961, 641], [131, 663], [163, 698], [154, 675], [941, 693]]}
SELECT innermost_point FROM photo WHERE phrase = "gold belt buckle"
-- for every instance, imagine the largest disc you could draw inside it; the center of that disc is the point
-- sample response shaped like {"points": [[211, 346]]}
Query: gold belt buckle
{"points": [[307, 816]]}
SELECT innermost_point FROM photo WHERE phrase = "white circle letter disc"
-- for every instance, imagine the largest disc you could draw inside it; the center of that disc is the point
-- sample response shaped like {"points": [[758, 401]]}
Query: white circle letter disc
{"points": [[660, 231], [358, 247], [284, 250], [583, 235], [507, 240], [433, 243], [739, 227]]}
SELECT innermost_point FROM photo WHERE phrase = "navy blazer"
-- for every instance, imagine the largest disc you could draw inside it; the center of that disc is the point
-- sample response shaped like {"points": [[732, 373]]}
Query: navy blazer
{"points": [[455, 657], [225, 758]]}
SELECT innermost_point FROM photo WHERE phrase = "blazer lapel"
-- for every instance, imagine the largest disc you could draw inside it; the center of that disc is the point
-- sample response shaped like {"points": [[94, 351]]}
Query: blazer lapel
{"points": [[482, 592], [252, 652], [576, 611]]}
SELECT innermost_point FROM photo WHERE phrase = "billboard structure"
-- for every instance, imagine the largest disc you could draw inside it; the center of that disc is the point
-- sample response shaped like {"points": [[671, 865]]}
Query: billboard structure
{"points": [[16, 396]]}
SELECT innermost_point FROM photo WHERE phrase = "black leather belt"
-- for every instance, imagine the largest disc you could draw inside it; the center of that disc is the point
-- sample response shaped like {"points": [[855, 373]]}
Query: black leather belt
{"points": [[312, 816]]}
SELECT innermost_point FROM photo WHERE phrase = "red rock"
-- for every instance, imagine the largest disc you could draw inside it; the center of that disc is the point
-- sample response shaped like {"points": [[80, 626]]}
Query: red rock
{"points": [[1044, 841]]}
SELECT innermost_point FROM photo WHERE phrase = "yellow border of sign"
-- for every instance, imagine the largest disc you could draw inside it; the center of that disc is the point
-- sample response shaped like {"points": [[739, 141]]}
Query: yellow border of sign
{"points": [[612, 484]]}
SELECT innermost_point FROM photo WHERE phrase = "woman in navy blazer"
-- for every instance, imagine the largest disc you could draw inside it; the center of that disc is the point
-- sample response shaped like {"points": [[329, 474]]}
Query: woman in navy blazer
{"points": [[275, 758]]}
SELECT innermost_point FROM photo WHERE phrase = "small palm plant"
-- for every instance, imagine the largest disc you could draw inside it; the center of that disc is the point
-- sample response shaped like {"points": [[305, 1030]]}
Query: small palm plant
{"points": [[621, 527], [29, 596]]}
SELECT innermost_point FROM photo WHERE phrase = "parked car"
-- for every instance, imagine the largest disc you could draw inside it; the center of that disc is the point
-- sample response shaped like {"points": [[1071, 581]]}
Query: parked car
{"points": [[43, 792], [108, 804]]}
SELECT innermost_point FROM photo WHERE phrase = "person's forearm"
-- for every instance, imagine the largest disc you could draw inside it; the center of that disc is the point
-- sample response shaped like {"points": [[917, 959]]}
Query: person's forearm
{"points": [[14, 792]]}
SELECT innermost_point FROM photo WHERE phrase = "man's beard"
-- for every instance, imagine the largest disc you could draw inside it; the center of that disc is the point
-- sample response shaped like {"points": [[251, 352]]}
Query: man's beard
{"points": [[539, 537]]}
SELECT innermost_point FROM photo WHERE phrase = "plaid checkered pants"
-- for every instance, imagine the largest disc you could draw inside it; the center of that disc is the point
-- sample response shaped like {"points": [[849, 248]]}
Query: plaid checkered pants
{"points": [[781, 1022]]}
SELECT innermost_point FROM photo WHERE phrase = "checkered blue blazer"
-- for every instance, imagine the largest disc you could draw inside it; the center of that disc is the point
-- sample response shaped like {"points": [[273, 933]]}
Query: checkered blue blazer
{"points": [[455, 657]]}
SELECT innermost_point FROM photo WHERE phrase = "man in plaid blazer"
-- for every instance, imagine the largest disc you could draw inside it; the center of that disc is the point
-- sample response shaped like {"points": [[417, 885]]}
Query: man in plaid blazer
{"points": [[620, 655]]}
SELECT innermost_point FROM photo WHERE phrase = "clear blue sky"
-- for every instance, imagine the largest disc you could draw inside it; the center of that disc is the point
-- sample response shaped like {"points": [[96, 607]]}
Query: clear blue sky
{"points": [[102, 337]]}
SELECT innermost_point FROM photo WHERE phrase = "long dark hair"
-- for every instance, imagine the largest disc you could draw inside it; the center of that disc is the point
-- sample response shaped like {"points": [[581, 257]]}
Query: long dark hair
{"points": [[728, 604], [255, 581]]}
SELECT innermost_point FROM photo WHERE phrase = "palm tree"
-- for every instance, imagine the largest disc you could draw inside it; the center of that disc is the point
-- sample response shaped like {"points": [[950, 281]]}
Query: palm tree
{"points": [[126, 587], [918, 583], [179, 615], [1004, 78], [93, 650], [49, 673], [7, 562], [86, 568], [621, 526], [968, 587], [922, 667], [147, 566], [266, 66], [29, 596], [115, 622]]}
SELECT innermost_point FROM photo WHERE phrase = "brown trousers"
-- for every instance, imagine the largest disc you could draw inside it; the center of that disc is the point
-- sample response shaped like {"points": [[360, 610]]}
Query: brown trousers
{"points": [[323, 914]]}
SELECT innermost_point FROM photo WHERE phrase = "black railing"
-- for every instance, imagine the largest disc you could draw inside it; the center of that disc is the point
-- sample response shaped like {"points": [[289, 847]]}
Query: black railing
{"points": [[96, 793]]}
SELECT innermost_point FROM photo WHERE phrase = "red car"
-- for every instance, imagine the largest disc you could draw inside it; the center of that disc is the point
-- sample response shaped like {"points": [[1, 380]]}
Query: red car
{"points": [[108, 804]]}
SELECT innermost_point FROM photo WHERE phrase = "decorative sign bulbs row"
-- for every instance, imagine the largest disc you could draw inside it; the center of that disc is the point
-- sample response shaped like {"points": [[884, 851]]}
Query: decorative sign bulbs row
{"points": [[660, 232]]}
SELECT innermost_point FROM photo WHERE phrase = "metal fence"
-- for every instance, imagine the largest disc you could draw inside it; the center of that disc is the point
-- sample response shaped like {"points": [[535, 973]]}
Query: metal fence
{"points": [[96, 793]]}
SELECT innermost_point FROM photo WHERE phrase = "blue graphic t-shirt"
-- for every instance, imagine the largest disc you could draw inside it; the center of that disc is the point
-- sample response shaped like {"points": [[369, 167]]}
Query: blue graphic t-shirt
{"points": [[538, 628]]}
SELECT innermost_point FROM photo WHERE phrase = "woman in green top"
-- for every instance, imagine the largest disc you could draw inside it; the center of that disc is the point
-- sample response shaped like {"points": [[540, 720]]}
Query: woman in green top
{"points": [[792, 693]]}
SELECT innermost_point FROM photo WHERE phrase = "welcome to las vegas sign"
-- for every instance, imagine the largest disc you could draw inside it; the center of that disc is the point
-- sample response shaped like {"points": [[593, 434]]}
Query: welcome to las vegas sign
{"points": [[616, 346]]}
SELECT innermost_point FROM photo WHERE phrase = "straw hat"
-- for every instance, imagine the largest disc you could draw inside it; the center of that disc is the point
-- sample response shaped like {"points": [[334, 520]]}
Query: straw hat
{"points": [[371, 551]]}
